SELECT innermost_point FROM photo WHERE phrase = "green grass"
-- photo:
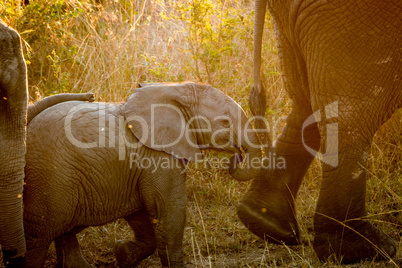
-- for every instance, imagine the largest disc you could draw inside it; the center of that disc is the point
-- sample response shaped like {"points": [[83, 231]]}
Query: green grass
{"points": [[79, 46]]}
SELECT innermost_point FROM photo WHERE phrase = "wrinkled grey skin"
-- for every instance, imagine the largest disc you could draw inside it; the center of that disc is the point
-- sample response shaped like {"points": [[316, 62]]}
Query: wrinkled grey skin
{"points": [[13, 106], [80, 175], [13, 119], [341, 54]]}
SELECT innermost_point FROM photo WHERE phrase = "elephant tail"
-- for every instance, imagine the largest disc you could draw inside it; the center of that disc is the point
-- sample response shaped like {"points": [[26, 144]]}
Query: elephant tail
{"points": [[37, 107], [258, 95]]}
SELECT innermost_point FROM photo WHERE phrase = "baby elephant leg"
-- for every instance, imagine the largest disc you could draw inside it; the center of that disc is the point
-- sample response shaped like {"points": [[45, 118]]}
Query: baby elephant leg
{"points": [[167, 207], [36, 252], [69, 252], [129, 253]]}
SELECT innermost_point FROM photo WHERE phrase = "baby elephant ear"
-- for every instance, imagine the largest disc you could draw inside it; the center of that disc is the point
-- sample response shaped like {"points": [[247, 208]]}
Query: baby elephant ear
{"points": [[155, 115]]}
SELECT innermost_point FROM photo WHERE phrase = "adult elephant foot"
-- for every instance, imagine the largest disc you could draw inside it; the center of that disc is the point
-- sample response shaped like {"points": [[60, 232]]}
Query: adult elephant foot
{"points": [[352, 243], [271, 217], [129, 253]]}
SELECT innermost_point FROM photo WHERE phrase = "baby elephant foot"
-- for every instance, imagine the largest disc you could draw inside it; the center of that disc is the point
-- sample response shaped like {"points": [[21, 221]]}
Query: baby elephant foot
{"points": [[69, 253], [353, 243], [271, 218], [130, 253]]}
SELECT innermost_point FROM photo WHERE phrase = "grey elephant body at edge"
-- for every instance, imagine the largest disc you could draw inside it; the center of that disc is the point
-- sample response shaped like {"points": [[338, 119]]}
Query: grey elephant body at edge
{"points": [[13, 119], [13, 106], [92, 169], [342, 62]]}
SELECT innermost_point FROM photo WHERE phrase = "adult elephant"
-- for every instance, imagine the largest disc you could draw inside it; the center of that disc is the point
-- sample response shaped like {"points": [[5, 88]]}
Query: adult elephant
{"points": [[341, 60], [13, 120]]}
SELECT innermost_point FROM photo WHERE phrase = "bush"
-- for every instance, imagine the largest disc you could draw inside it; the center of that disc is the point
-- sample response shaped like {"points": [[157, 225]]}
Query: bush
{"points": [[107, 48]]}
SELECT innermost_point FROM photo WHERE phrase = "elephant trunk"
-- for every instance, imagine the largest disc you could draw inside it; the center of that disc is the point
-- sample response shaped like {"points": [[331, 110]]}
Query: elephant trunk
{"points": [[251, 166], [37, 107]]}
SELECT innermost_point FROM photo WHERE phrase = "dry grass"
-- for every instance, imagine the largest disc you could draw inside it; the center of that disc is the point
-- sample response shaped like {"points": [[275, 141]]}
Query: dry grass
{"points": [[107, 49]]}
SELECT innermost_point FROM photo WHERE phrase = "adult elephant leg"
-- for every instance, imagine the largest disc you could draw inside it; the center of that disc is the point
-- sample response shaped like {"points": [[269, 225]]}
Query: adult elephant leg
{"points": [[69, 252], [268, 208], [129, 253], [340, 227]]}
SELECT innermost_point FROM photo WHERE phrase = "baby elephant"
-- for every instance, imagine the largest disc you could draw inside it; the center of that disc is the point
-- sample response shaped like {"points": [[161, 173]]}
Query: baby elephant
{"points": [[92, 163]]}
